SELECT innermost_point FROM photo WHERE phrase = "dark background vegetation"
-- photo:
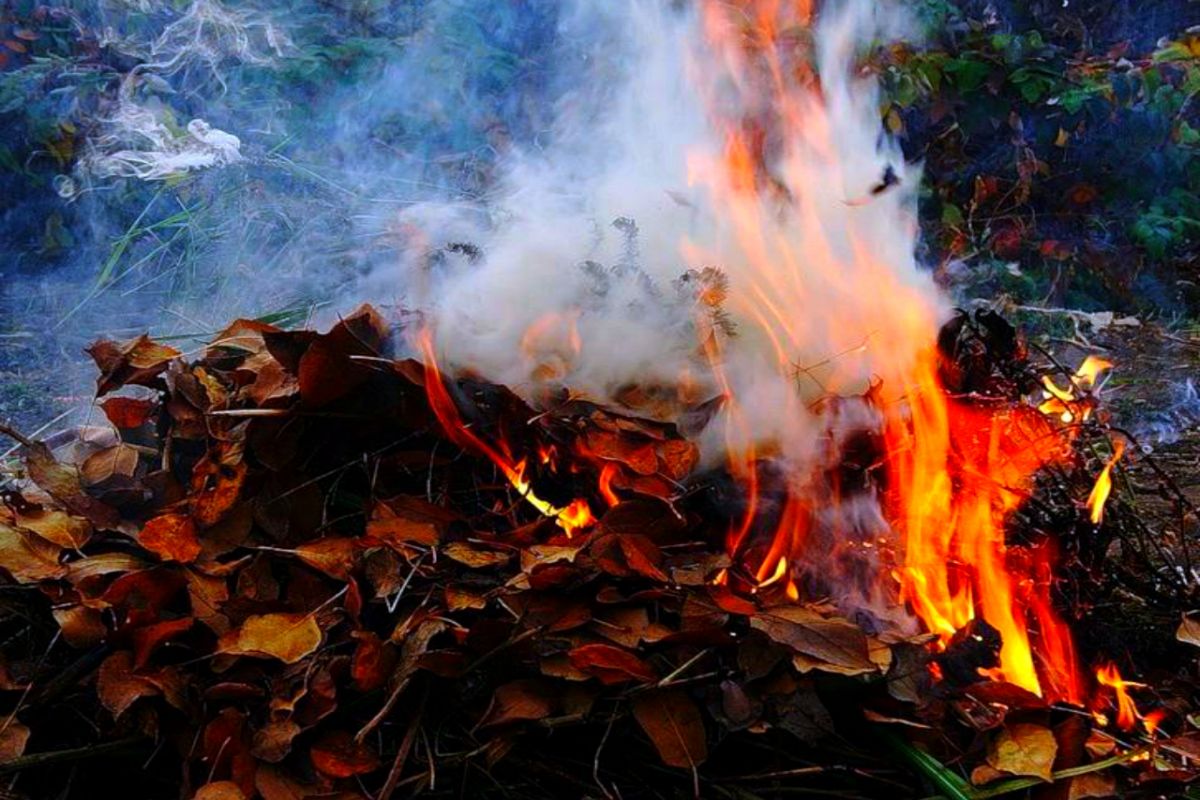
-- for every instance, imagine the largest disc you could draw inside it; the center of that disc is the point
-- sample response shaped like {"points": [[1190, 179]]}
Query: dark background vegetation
{"points": [[1059, 141]]}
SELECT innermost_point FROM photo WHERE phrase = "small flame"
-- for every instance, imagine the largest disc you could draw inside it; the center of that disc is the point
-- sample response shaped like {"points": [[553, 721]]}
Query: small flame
{"points": [[1103, 487], [1072, 402], [607, 473], [574, 517], [1127, 713]]}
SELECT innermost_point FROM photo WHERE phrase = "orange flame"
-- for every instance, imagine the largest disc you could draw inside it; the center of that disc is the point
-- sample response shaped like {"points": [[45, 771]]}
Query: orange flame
{"points": [[955, 469], [1103, 486], [574, 517], [1127, 713]]}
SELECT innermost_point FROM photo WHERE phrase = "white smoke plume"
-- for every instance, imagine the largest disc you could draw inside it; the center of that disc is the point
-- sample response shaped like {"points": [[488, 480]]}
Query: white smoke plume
{"points": [[641, 143], [139, 138]]}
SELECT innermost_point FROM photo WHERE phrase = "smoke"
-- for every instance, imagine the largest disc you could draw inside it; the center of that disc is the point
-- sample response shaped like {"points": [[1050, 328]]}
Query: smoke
{"points": [[620, 222]]}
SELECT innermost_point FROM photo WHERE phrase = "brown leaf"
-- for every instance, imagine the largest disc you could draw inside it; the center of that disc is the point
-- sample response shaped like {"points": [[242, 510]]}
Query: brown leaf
{"points": [[610, 664], [13, 737], [220, 790], [138, 362], [828, 644], [126, 413], [58, 527], [117, 685], [373, 661], [81, 626], [1189, 629], [27, 557], [518, 701], [287, 637], [171, 537], [274, 784], [273, 741], [336, 556], [1024, 749], [674, 725], [408, 520], [338, 755], [118, 461], [62, 483], [217, 481], [147, 639], [1092, 784], [476, 557], [459, 598]]}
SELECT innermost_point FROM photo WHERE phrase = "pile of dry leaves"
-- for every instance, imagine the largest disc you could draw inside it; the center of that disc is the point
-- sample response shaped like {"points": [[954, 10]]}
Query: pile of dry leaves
{"points": [[278, 575]]}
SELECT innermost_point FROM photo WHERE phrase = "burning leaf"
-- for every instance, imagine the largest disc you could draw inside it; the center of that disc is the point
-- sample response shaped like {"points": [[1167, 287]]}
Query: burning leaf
{"points": [[171, 537], [1024, 749], [338, 755], [518, 701], [287, 637], [673, 722], [610, 664]]}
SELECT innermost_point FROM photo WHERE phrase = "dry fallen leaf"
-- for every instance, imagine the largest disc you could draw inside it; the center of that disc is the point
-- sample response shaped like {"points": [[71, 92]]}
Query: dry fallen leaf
{"points": [[611, 664], [56, 526], [287, 637], [219, 790], [1189, 629], [119, 461], [1092, 784], [337, 755], [478, 557], [518, 701], [27, 557], [673, 722], [1024, 749], [13, 737], [118, 686], [828, 644], [171, 537]]}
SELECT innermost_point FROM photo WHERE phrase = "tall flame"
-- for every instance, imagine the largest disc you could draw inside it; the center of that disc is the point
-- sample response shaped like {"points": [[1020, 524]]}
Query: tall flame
{"points": [[812, 271]]}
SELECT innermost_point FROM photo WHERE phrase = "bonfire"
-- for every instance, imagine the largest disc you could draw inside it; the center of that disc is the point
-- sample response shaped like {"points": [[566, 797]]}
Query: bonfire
{"points": [[834, 535]]}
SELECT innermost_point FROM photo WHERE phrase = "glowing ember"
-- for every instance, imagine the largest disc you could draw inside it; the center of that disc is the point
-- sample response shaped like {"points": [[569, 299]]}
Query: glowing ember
{"points": [[574, 517], [1103, 487]]}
